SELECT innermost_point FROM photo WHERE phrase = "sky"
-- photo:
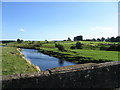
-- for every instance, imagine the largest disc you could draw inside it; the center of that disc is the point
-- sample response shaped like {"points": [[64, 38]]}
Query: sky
{"points": [[59, 20]]}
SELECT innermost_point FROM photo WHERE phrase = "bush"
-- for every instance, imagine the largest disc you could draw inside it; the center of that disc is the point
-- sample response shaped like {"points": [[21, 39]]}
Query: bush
{"points": [[78, 45], [33, 42], [60, 47], [38, 44], [103, 48], [73, 47], [46, 41], [56, 45], [114, 48]]}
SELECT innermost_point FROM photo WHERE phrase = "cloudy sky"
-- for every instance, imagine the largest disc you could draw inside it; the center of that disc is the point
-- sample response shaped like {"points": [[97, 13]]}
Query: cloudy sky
{"points": [[59, 20]]}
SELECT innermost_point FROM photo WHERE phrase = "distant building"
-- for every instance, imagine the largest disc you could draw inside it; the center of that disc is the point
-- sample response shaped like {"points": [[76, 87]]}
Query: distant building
{"points": [[78, 38]]}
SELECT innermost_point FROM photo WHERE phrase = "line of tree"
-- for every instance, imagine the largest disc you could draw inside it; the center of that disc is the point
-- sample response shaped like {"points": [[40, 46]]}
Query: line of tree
{"points": [[7, 41], [112, 39]]}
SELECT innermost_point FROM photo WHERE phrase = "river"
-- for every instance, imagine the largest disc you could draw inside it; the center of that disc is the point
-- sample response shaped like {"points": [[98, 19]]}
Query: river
{"points": [[42, 60]]}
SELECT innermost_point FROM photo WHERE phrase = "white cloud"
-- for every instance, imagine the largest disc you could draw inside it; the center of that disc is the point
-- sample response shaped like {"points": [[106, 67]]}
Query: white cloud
{"points": [[22, 30], [101, 28]]}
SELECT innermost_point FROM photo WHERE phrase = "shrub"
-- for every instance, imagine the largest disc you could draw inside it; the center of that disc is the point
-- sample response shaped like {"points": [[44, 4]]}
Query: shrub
{"points": [[73, 47], [78, 45], [56, 45], [46, 41], [37, 44], [55, 41], [114, 48], [60, 47], [103, 48], [33, 42]]}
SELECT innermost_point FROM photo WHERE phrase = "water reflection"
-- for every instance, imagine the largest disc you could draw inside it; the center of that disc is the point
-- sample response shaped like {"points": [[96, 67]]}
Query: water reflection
{"points": [[61, 62]]}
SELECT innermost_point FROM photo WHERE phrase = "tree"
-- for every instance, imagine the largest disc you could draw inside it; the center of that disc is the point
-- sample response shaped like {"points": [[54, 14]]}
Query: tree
{"points": [[69, 39], [108, 39], [78, 45], [93, 39], [102, 39], [98, 39], [60, 47], [112, 39], [118, 39], [19, 41]]}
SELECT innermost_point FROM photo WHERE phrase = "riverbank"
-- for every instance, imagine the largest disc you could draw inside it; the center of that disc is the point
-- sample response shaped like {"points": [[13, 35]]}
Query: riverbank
{"points": [[13, 62], [28, 61]]}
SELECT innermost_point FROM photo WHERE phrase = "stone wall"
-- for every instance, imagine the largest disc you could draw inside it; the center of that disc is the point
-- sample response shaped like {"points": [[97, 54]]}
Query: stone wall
{"points": [[103, 75]]}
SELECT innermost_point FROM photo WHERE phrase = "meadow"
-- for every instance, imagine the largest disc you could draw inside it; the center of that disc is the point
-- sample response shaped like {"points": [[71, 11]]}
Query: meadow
{"points": [[90, 51], [13, 63]]}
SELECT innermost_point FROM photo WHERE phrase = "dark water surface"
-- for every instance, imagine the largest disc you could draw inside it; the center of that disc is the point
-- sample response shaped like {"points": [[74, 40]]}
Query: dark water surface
{"points": [[42, 60]]}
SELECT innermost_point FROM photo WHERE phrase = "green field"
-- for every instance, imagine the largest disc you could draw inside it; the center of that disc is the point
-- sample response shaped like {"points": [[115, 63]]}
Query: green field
{"points": [[90, 51], [97, 54], [13, 63]]}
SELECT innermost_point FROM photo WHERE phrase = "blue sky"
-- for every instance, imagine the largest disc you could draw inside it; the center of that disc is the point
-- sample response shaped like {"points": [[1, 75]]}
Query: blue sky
{"points": [[59, 20]]}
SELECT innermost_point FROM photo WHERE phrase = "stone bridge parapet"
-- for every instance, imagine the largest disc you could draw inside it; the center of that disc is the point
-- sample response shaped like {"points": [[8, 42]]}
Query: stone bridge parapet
{"points": [[91, 75]]}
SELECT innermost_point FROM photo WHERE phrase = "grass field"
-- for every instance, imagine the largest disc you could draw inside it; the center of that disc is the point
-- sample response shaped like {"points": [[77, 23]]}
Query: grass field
{"points": [[97, 54], [90, 51], [13, 63]]}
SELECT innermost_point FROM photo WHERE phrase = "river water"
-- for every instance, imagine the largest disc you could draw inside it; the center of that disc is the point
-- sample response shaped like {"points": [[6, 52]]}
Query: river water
{"points": [[42, 60]]}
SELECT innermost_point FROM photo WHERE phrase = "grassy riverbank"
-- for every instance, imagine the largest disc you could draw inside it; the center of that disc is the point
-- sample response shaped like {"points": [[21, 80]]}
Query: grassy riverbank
{"points": [[13, 63], [90, 52]]}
